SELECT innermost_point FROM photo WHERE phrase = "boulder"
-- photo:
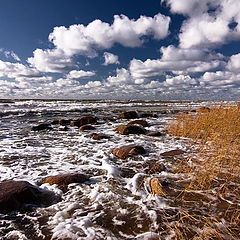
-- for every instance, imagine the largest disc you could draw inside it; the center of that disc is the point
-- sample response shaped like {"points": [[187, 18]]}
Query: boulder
{"points": [[129, 150], [97, 136], [130, 129], [143, 123], [84, 121], [172, 153], [155, 134], [128, 115], [42, 126], [156, 186], [65, 179], [15, 194], [203, 110], [86, 127]]}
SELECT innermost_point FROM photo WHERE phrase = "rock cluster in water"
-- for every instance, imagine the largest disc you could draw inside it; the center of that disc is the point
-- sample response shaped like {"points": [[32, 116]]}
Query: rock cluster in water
{"points": [[16, 195]]}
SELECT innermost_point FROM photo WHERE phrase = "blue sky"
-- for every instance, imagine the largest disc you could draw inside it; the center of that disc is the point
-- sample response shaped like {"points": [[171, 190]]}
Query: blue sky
{"points": [[168, 49]]}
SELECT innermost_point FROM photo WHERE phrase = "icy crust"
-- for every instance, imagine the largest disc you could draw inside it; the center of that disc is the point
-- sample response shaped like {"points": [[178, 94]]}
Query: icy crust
{"points": [[115, 203]]}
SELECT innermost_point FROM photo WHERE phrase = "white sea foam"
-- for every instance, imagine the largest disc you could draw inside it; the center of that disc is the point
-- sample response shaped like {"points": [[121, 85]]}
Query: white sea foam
{"points": [[114, 203]]}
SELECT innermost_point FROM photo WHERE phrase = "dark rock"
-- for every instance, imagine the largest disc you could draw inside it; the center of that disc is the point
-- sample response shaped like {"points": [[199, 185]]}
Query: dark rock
{"points": [[86, 128], [155, 134], [97, 136], [130, 129], [172, 153], [148, 115], [14, 194], [128, 115], [139, 122], [129, 150], [65, 122], [66, 179], [109, 119], [42, 126], [55, 122], [84, 121]]}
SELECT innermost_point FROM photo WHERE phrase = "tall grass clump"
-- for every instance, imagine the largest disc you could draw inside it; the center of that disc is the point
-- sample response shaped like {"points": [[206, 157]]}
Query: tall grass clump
{"points": [[215, 167]]}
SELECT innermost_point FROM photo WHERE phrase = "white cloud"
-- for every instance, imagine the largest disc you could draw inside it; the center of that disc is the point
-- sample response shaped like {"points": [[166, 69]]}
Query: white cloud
{"points": [[9, 54], [85, 40], [208, 21], [51, 61], [110, 59], [19, 71], [123, 76], [234, 63], [74, 74], [176, 60]]}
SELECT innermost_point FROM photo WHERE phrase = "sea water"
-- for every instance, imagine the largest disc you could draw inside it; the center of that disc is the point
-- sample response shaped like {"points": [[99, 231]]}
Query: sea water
{"points": [[115, 203]]}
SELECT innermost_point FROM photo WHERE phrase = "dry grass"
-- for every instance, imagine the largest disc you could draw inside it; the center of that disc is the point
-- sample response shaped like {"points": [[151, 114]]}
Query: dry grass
{"points": [[215, 169]]}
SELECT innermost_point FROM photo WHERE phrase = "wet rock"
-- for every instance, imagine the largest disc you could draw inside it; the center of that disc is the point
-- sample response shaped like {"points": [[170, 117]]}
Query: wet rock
{"points": [[109, 119], [129, 150], [203, 110], [42, 126], [65, 122], [97, 136], [155, 134], [86, 128], [55, 122], [84, 121], [128, 115], [143, 123], [14, 194], [130, 129], [172, 153], [156, 186], [66, 179], [148, 115]]}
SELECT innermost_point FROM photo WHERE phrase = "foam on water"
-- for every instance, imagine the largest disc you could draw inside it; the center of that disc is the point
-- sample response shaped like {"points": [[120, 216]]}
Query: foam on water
{"points": [[115, 203]]}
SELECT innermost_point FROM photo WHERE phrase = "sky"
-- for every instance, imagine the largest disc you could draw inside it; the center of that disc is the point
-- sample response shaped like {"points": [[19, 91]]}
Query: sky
{"points": [[151, 50]]}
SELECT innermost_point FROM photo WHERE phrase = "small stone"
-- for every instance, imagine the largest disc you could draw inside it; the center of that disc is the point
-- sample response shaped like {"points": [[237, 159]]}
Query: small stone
{"points": [[84, 121], [42, 126], [86, 128], [155, 134], [128, 115], [129, 150], [172, 153], [97, 136], [65, 122], [143, 123], [66, 179], [130, 129]]}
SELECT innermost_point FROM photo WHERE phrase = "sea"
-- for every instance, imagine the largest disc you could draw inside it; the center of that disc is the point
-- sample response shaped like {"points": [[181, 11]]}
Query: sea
{"points": [[116, 202]]}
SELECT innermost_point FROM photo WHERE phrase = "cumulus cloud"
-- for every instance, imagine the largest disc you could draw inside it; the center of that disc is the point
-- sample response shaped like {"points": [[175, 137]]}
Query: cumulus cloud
{"points": [[110, 59], [208, 23], [74, 74], [234, 63], [176, 60], [85, 40], [19, 72], [54, 61], [122, 76]]}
